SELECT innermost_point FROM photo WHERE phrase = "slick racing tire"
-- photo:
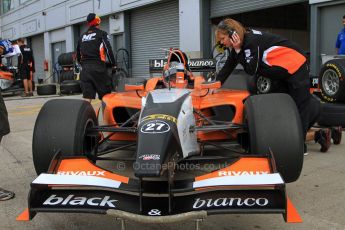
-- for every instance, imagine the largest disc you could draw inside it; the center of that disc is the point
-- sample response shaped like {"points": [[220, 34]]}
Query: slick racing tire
{"points": [[331, 80], [274, 125], [240, 80], [48, 89], [118, 79], [60, 128], [67, 75], [66, 59], [332, 115], [69, 87]]}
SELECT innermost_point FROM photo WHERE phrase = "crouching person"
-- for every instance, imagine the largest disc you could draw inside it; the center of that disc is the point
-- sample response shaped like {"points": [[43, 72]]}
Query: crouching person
{"points": [[4, 129]]}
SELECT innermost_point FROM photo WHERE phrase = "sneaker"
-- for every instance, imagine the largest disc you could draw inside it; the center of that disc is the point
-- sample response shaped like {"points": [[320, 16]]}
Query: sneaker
{"points": [[305, 150], [336, 134], [323, 137], [5, 195], [24, 94]]}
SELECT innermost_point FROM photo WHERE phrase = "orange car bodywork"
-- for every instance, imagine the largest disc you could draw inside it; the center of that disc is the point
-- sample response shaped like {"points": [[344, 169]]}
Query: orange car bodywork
{"points": [[203, 100], [6, 75]]}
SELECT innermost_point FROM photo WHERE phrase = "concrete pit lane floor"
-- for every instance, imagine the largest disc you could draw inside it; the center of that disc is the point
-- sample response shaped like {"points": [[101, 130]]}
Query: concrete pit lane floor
{"points": [[318, 194]]}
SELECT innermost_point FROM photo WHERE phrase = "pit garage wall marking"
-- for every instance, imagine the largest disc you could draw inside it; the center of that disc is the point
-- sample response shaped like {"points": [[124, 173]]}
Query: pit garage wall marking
{"points": [[53, 179]]}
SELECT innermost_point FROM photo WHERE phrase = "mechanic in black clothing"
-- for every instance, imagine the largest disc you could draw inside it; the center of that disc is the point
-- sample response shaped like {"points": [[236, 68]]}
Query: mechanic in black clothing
{"points": [[92, 50], [274, 57], [4, 129], [26, 66]]}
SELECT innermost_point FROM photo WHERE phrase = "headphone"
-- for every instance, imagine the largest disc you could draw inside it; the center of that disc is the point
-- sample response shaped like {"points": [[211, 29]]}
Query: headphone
{"points": [[223, 26]]}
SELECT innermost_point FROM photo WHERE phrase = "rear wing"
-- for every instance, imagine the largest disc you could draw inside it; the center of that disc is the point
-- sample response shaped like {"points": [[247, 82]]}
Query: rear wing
{"points": [[195, 65]]}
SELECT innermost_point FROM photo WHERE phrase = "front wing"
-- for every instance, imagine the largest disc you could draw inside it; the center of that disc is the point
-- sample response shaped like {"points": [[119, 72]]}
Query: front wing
{"points": [[77, 185]]}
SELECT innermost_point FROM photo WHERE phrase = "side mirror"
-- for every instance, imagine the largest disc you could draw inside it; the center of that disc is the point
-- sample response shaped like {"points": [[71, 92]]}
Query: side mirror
{"points": [[210, 85], [134, 87]]}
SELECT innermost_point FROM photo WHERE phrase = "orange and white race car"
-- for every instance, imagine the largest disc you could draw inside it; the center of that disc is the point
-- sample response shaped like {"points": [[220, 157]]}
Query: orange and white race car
{"points": [[172, 148]]}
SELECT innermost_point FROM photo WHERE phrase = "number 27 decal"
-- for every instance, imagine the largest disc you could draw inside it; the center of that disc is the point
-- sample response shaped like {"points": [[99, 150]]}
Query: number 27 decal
{"points": [[155, 126]]}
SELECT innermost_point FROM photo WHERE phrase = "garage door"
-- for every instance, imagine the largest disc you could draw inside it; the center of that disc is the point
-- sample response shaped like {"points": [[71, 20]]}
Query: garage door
{"points": [[330, 26], [37, 43], [152, 28], [221, 8]]}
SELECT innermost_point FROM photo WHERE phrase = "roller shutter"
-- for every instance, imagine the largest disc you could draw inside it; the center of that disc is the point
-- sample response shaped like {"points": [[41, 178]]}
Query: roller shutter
{"points": [[152, 28], [330, 25], [221, 8]]}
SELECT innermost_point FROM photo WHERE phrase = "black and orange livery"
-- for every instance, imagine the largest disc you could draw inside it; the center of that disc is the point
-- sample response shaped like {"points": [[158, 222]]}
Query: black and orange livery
{"points": [[188, 149], [266, 55]]}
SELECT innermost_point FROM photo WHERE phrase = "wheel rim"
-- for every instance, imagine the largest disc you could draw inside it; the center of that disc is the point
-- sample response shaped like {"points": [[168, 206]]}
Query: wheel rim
{"points": [[263, 84], [330, 82]]}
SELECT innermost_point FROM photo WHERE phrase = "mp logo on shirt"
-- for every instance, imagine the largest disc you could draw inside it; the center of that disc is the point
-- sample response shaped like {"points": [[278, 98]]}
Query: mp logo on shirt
{"points": [[88, 37]]}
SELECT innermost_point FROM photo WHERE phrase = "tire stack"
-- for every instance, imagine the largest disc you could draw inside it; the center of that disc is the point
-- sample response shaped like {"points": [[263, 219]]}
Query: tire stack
{"points": [[67, 79]]}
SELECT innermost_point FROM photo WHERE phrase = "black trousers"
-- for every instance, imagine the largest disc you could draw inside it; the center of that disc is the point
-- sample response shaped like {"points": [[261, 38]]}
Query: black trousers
{"points": [[297, 86], [4, 124], [94, 79]]}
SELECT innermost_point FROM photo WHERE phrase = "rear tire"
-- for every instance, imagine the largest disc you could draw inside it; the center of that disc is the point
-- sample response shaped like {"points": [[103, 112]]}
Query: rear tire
{"points": [[61, 126], [118, 78], [274, 123], [332, 115], [240, 80]]}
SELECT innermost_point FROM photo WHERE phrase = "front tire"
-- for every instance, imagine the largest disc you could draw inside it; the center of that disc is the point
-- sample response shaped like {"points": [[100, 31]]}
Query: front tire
{"points": [[274, 124], [61, 126]]}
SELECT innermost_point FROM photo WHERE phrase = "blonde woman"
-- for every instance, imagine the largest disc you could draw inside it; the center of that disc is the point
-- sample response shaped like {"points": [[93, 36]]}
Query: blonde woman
{"points": [[270, 56]]}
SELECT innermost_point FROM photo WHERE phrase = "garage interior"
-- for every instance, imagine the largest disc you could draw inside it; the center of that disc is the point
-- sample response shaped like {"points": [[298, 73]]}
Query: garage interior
{"points": [[290, 21]]}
